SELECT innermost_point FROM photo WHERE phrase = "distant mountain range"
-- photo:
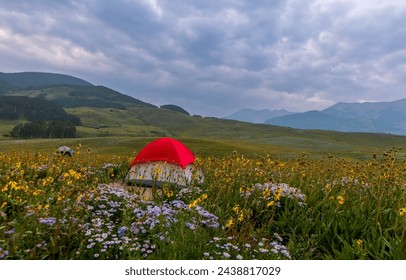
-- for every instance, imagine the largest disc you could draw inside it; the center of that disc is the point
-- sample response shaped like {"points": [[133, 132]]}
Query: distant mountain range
{"points": [[376, 117], [257, 116]]}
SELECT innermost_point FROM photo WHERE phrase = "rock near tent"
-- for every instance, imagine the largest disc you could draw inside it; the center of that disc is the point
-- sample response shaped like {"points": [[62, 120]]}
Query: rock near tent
{"points": [[165, 160], [65, 151]]}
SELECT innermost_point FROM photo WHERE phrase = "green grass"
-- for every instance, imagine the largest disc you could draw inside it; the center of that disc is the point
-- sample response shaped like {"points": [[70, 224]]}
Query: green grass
{"points": [[128, 146], [210, 134], [153, 122]]}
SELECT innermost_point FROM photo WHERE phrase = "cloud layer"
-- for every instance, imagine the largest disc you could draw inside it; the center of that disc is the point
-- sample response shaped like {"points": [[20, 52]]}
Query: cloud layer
{"points": [[216, 57]]}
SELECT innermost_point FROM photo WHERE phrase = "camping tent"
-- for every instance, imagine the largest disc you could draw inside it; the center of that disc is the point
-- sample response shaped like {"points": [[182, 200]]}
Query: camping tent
{"points": [[164, 160]]}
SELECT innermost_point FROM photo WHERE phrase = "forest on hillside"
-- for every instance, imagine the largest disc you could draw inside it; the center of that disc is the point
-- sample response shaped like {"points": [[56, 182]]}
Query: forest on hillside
{"points": [[46, 118], [52, 129], [33, 109]]}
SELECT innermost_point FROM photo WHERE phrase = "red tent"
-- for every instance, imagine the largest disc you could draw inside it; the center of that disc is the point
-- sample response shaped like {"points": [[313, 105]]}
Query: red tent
{"points": [[165, 149], [164, 160]]}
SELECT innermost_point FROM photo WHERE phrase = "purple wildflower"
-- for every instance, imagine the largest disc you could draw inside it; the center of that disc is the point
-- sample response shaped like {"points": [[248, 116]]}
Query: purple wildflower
{"points": [[3, 253], [121, 231], [47, 221]]}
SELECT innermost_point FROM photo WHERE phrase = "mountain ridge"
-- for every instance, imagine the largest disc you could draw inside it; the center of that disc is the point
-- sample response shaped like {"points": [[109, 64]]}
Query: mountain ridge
{"points": [[21, 80], [65, 90], [375, 117], [256, 116]]}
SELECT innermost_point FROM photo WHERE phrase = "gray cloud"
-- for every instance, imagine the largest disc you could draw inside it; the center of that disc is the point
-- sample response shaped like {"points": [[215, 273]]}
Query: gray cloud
{"points": [[216, 57]]}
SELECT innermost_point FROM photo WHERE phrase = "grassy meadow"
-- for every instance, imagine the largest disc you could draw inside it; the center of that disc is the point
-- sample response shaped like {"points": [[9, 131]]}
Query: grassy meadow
{"points": [[275, 198]]}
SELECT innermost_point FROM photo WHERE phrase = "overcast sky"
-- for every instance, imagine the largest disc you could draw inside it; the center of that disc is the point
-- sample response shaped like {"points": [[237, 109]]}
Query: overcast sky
{"points": [[215, 57]]}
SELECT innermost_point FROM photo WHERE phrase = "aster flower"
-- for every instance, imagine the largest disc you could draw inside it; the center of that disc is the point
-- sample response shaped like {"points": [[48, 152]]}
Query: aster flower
{"points": [[3, 253], [121, 231], [47, 221]]}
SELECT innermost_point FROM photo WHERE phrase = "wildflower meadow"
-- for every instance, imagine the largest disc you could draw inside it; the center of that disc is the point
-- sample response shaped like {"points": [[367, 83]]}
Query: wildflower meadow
{"points": [[248, 207]]}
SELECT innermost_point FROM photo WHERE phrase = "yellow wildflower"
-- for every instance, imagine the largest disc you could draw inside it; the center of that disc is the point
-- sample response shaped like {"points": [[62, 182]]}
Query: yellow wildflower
{"points": [[266, 193], [402, 211], [36, 192], [359, 242], [168, 192], [278, 195], [12, 185], [198, 200], [193, 204], [230, 222], [270, 203], [236, 209], [340, 200], [50, 180], [241, 216], [244, 190]]}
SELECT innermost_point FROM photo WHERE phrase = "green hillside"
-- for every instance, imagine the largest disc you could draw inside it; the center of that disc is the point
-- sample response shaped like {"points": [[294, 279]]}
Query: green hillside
{"points": [[137, 123], [6, 86], [37, 79], [112, 130], [82, 96]]}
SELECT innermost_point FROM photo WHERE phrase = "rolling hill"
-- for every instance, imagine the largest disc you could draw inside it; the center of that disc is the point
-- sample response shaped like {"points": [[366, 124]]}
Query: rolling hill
{"points": [[24, 80], [65, 90]]}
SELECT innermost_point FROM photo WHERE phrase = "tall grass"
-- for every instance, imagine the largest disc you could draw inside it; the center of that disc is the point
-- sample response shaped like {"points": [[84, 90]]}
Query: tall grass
{"points": [[256, 207]]}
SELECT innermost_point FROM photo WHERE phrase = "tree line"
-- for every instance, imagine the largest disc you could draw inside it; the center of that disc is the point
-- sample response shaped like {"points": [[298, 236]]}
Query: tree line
{"points": [[46, 118], [51, 129]]}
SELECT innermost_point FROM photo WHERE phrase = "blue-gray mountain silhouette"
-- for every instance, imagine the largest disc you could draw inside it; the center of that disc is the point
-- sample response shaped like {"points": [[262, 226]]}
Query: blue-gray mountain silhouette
{"points": [[380, 117]]}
